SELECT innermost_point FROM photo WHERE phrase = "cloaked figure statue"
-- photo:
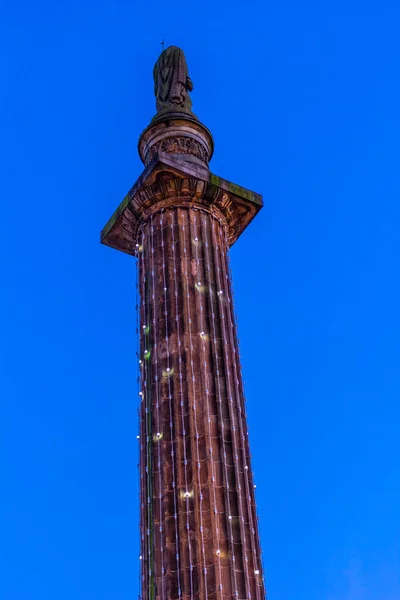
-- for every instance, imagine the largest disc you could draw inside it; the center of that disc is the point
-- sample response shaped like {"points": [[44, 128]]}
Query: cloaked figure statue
{"points": [[171, 81]]}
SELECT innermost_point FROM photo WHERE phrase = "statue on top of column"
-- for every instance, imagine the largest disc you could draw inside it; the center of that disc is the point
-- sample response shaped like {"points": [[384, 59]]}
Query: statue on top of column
{"points": [[172, 83]]}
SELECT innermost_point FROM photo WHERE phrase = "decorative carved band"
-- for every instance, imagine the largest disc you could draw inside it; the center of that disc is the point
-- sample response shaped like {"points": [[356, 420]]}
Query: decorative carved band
{"points": [[170, 191], [178, 145]]}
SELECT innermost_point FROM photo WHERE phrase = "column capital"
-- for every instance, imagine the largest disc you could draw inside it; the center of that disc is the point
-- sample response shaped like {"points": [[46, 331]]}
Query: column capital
{"points": [[170, 180]]}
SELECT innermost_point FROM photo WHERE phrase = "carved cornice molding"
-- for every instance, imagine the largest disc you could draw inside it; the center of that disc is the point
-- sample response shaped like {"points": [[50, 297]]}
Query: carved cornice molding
{"points": [[170, 180], [189, 192]]}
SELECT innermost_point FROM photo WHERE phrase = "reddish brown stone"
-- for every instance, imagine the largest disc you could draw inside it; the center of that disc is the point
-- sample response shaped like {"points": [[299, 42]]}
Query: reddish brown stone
{"points": [[199, 533], [207, 401]]}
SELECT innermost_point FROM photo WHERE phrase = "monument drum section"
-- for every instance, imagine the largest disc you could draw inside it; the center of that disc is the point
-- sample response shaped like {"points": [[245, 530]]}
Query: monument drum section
{"points": [[198, 521]]}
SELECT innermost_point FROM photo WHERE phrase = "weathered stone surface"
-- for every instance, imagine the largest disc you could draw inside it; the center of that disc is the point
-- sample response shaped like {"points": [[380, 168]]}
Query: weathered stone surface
{"points": [[168, 181], [180, 136], [199, 531], [198, 517], [178, 145]]}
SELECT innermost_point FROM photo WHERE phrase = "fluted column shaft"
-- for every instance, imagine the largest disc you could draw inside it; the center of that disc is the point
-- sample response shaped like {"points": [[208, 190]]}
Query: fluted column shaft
{"points": [[198, 519]]}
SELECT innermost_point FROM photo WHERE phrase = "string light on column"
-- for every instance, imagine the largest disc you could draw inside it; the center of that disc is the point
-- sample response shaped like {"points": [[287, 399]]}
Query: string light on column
{"points": [[241, 410], [137, 291], [158, 434], [146, 418], [205, 344], [216, 269], [170, 406], [197, 436], [182, 403], [202, 299]]}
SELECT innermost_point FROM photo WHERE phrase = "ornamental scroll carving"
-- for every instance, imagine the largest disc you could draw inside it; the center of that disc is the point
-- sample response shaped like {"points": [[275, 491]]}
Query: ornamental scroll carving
{"points": [[178, 145], [167, 192]]}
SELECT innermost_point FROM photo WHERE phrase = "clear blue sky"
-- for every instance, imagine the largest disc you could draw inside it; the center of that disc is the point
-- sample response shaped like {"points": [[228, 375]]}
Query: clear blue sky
{"points": [[303, 99]]}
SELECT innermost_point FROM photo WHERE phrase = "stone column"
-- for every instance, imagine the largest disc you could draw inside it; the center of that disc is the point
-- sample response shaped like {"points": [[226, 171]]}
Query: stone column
{"points": [[199, 533], [199, 527]]}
